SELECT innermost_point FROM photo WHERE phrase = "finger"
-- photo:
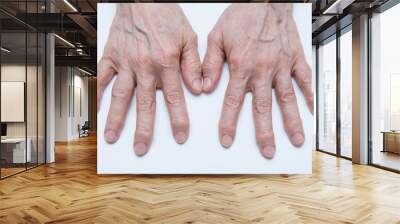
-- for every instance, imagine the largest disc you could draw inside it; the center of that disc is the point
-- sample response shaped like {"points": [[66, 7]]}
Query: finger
{"points": [[145, 113], [105, 71], [288, 104], [213, 62], [302, 75], [262, 113], [175, 100], [122, 93], [233, 101], [191, 66]]}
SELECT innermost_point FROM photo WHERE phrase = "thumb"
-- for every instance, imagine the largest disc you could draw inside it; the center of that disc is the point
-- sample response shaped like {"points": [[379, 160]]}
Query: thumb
{"points": [[213, 62], [191, 65]]}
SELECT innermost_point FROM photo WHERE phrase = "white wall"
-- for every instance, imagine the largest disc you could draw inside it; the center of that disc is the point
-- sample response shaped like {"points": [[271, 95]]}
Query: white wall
{"points": [[79, 117], [70, 83], [61, 103]]}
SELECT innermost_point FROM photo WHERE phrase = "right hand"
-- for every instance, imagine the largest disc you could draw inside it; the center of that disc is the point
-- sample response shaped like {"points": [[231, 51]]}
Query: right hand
{"points": [[263, 49]]}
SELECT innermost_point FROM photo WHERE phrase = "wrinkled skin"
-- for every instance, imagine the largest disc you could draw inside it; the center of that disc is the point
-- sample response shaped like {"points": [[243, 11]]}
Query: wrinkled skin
{"points": [[263, 50], [146, 51]]}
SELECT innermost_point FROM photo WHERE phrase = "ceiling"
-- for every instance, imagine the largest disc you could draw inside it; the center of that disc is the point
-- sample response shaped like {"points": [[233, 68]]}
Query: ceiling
{"points": [[75, 23], [332, 15]]}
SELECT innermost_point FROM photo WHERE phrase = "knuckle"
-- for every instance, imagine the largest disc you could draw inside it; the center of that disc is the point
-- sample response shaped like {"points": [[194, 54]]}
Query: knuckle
{"points": [[310, 98], [303, 69], [302, 65], [146, 82], [241, 75], [173, 97], [180, 123], [239, 70], [261, 65], [306, 79], [260, 68], [143, 59], [263, 105], [306, 83], [226, 128], [195, 67], [208, 66], [293, 124], [143, 133], [170, 54], [264, 136], [232, 101], [122, 93], [286, 96], [101, 82], [235, 62], [102, 78], [145, 102], [115, 121], [167, 59]]}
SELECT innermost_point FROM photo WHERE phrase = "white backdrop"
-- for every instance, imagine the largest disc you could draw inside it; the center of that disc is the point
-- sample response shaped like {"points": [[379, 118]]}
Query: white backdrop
{"points": [[202, 153]]}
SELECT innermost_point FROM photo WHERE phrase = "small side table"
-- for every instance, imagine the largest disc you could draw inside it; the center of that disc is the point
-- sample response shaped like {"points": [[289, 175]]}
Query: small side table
{"points": [[391, 141]]}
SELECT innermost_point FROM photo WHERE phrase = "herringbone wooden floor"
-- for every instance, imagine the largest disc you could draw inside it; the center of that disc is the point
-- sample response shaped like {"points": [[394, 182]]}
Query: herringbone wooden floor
{"points": [[70, 191]]}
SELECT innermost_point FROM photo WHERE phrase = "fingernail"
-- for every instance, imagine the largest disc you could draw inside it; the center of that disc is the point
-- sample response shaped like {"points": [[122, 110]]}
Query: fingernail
{"points": [[207, 83], [268, 151], [226, 141], [140, 149], [111, 136], [180, 137], [197, 84], [298, 139]]}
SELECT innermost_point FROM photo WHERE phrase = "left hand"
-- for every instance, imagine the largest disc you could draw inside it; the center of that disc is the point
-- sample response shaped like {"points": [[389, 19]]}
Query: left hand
{"points": [[146, 51]]}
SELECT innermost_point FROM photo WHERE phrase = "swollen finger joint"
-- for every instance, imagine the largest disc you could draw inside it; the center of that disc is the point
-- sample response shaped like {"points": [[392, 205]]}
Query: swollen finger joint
{"points": [[232, 101], [173, 97], [145, 103], [286, 96], [262, 106]]}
